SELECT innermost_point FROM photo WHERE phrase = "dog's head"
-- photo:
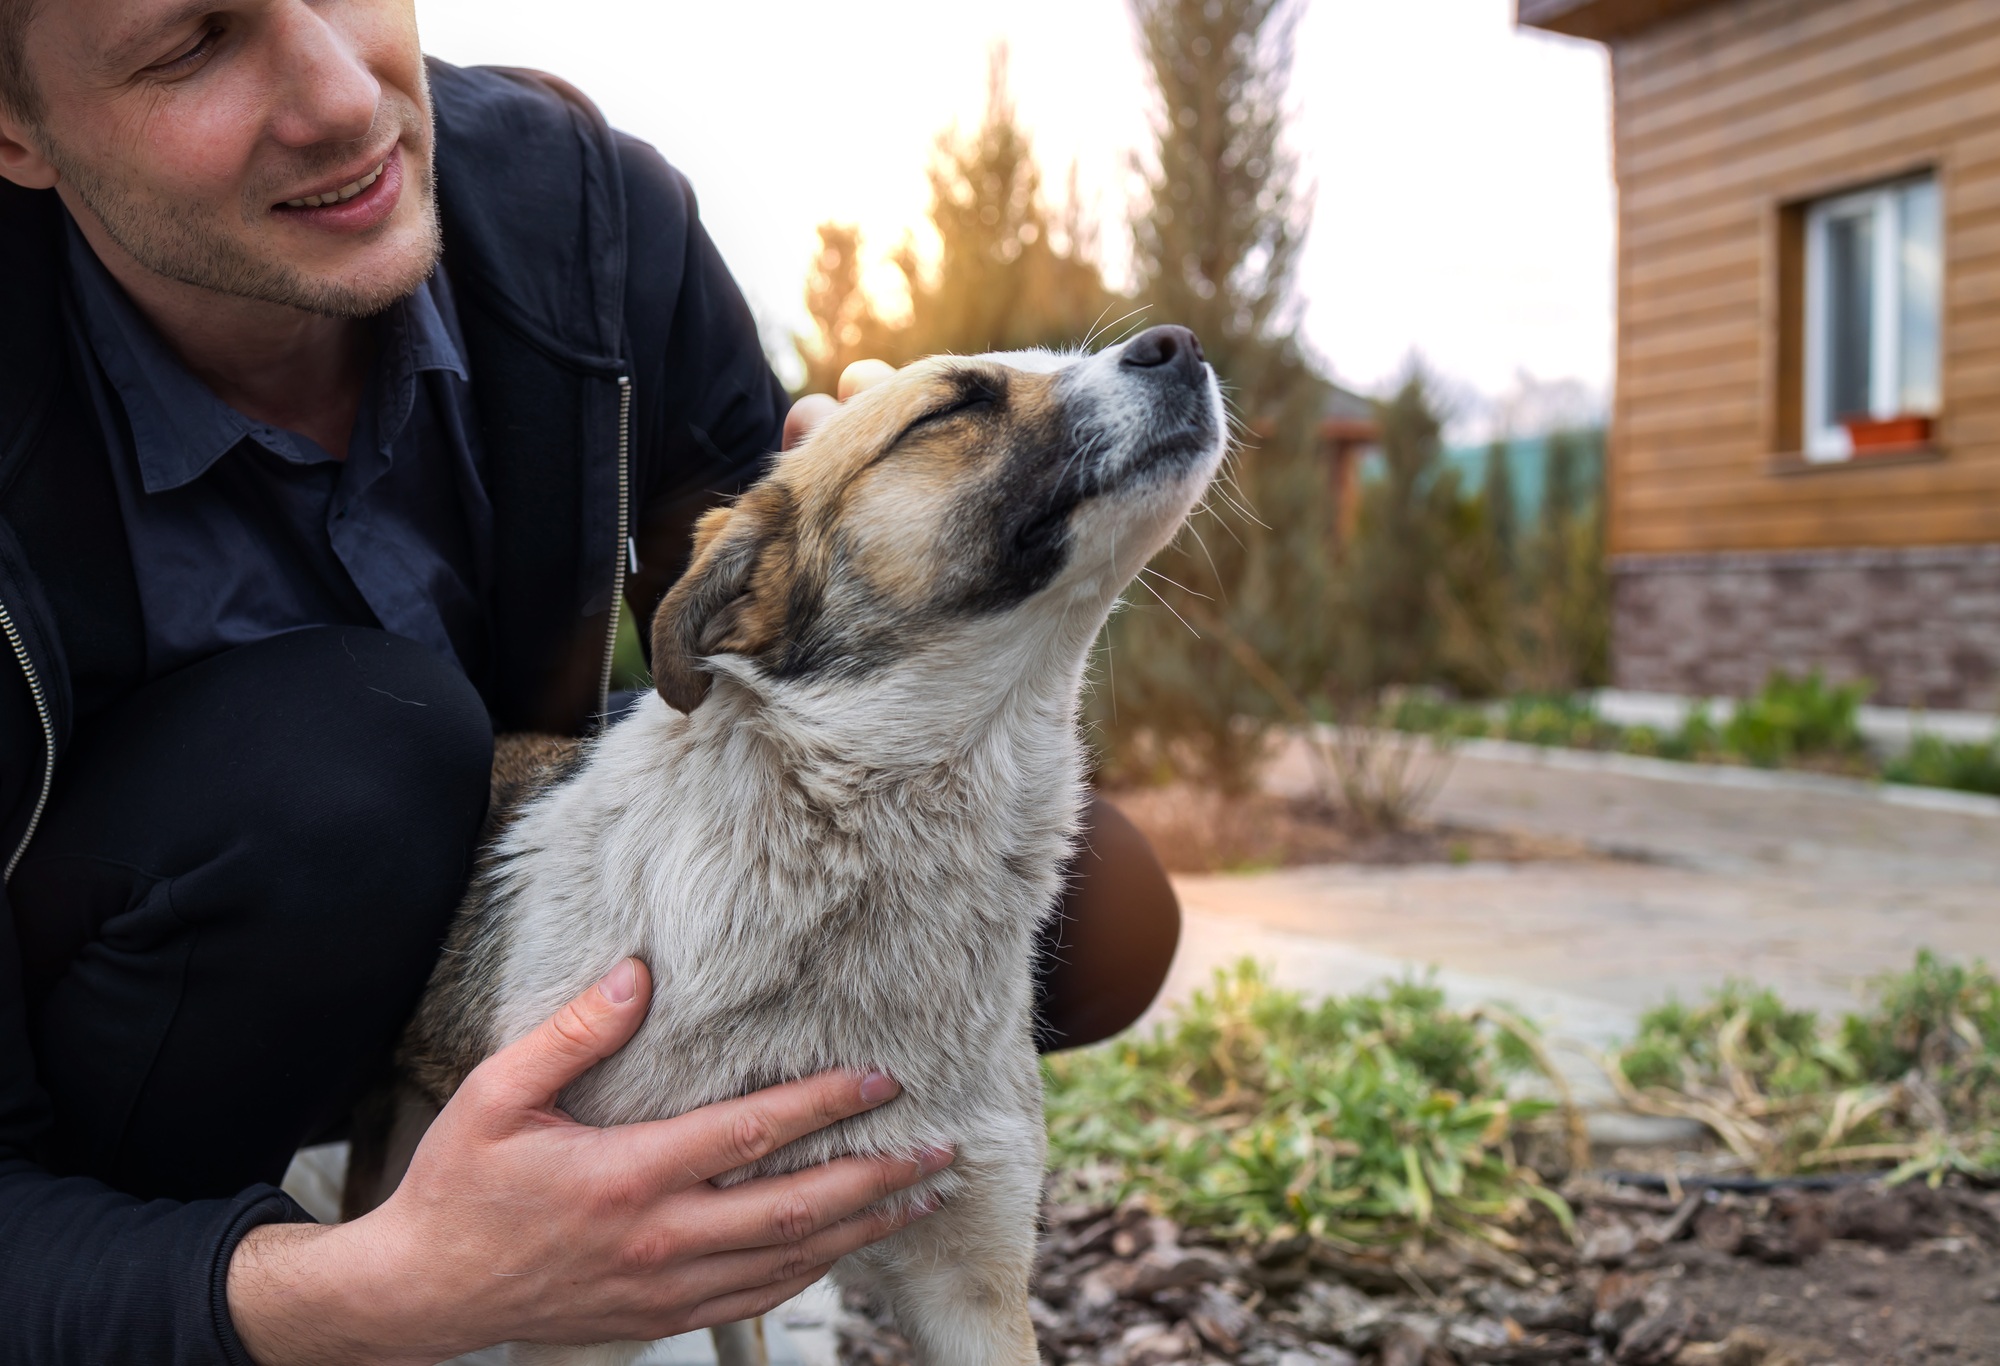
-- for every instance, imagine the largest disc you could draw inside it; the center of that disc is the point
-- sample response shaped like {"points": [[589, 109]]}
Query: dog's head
{"points": [[1005, 495]]}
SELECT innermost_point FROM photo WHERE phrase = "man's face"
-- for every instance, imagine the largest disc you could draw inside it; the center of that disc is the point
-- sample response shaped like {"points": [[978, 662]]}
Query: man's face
{"points": [[200, 135]]}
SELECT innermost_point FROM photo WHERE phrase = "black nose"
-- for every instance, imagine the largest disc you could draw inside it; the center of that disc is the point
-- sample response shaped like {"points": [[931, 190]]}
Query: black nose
{"points": [[1170, 346]]}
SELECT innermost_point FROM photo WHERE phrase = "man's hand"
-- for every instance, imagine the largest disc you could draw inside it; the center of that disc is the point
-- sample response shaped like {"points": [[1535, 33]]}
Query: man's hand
{"points": [[814, 409], [515, 1222]]}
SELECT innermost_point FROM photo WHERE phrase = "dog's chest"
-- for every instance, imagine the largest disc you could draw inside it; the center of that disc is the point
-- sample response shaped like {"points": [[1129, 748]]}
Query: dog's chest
{"points": [[894, 931]]}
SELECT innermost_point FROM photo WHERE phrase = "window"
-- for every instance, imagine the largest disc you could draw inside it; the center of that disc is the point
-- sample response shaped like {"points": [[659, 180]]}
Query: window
{"points": [[1873, 282]]}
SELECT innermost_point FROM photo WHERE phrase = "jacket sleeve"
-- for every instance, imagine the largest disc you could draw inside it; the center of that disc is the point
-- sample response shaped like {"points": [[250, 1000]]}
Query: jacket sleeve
{"points": [[88, 1275], [709, 409]]}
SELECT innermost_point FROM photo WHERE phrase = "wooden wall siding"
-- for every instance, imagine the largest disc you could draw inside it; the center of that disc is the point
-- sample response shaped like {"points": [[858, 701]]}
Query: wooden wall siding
{"points": [[1724, 116]]}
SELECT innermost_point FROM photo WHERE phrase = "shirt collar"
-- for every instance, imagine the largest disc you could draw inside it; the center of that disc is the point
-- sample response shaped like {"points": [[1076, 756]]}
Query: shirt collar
{"points": [[180, 428]]}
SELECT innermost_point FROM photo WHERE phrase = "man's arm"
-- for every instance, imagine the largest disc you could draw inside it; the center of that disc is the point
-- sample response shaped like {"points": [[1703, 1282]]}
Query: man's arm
{"points": [[88, 1274]]}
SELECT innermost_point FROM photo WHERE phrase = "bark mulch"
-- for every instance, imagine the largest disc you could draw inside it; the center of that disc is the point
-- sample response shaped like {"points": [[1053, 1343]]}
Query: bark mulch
{"points": [[1853, 1276]]}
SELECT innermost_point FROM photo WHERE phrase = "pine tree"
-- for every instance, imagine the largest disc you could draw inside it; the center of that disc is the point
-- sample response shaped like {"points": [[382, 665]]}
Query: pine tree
{"points": [[1243, 598], [1559, 502], [1497, 493], [1217, 246], [1398, 547], [1011, 272], [1565, 628]]}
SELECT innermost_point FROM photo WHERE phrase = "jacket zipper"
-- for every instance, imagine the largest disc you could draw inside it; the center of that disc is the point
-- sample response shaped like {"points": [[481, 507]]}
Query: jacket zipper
{"points": [[27, 663], [622, 547]]}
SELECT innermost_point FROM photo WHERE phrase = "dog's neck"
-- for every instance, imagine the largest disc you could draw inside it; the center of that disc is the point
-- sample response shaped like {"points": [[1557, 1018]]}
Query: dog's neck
{"points": [[987, 691]]}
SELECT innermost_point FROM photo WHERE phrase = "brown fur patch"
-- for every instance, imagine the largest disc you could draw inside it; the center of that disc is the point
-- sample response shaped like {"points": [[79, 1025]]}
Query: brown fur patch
{"points": [[733, 597], [873, 495], [523, 765], [449, 1036]]}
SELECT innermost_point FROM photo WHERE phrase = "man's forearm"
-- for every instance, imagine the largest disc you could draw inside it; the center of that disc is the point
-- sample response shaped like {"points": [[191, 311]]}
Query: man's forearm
{"points": [[306, 1294], [88, 1274]]}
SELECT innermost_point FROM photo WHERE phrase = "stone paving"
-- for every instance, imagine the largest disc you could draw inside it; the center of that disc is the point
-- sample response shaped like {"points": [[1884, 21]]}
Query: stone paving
{"points": [[1809, 887]]}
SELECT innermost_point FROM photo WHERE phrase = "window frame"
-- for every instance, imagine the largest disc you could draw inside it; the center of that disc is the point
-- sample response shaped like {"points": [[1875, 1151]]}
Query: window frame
{"points": [[1823, 440]]}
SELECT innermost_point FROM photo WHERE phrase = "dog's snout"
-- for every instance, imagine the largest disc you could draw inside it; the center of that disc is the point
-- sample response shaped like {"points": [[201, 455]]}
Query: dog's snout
{"points": [[1167, 345]]}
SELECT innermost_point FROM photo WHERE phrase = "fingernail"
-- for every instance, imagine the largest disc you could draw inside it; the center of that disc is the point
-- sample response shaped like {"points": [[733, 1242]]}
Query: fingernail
{"points": [[621, 983], [935, 1159], [877, 1087], [928, 1203]]}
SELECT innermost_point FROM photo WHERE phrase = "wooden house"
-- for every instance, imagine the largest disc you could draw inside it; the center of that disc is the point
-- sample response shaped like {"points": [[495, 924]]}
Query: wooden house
{"points": [[1805, 440]]}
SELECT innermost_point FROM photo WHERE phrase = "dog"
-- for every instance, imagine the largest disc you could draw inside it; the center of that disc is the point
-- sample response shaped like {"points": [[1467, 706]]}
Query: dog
{"points": [[833, 831]]}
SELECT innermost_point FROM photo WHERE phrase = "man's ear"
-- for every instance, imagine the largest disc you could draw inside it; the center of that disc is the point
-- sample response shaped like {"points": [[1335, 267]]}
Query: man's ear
{"points": [[723, 604], [21, 161]]}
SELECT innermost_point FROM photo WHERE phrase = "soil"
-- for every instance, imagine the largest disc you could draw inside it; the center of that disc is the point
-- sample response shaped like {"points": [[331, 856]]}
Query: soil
{"points": [[1853, 1276], [1199, 830]]}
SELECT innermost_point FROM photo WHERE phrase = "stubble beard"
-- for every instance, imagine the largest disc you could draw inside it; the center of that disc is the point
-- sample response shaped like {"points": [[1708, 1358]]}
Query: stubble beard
{"points": [[175, 239]]}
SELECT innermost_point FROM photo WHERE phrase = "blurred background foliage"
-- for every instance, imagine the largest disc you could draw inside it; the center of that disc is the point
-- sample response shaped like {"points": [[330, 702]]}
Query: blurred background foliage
{"points": [[1299, 578]]}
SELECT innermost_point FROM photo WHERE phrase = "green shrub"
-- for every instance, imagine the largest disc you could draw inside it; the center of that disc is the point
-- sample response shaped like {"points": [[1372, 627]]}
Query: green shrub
{"points": [[1792, 718], [1741, 1027], [1936, 1017], [1932, 762], [1252, 1113]]}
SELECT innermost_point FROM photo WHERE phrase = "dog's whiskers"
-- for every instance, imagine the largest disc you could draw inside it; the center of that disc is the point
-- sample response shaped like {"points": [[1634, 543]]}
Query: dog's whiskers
{"points": [[1148, 569], [1168, 605]]}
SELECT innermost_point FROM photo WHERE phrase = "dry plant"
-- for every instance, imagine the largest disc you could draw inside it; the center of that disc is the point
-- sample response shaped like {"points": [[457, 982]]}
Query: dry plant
{"points": [[1379, 776], [1912, 1081]]}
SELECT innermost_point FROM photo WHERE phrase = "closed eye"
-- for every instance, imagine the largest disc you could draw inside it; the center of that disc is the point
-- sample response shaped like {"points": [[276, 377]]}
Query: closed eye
{"points": [[967, 401], [189, 57]]}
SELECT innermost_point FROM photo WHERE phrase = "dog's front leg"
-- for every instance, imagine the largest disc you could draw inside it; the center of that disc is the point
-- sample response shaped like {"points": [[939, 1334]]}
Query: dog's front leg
{"points": [[957, 1282]]}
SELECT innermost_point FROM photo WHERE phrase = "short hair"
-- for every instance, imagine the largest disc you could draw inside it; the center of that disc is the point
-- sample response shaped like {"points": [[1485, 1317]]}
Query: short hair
{"points": [[18, 95]]}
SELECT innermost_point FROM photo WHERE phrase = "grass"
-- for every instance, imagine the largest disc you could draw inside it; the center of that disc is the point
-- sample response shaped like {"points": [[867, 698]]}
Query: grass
{"points": [[1363, 1119], [1912, 1081], [1792, 722]]}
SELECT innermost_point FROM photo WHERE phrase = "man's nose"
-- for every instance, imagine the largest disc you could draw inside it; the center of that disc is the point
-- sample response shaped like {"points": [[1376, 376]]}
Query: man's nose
{"points": [[1167, 345], [330, 95]]}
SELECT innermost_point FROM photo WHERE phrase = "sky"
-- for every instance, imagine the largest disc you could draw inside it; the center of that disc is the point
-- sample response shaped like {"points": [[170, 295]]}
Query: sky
{"points": [[1465, 206]]}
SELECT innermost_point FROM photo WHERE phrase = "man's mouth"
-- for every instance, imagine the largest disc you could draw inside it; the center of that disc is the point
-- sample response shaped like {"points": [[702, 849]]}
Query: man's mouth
{"points": [[359, 204], [335, 196]]}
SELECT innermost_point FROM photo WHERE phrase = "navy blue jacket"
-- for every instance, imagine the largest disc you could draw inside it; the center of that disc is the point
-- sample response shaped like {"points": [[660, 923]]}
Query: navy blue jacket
{"points": [[620, 389]]}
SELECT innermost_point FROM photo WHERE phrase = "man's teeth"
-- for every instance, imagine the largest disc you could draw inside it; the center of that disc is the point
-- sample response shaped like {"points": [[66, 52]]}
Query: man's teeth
{"points": [[347, 191]]}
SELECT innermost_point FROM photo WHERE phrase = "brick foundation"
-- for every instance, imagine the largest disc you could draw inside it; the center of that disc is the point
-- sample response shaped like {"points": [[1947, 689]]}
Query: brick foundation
{"points": [[1923, 625]]}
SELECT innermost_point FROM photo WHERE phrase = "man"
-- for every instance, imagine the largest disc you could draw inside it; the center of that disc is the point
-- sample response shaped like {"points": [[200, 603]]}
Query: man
{"points": [[292, 518]]}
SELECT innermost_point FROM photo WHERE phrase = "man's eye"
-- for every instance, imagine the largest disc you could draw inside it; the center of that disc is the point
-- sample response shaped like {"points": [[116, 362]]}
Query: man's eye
{"points": [[189, 57]]}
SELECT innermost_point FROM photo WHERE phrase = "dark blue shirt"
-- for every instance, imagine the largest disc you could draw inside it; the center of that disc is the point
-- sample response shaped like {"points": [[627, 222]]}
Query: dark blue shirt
{"points": [[240, 530]]}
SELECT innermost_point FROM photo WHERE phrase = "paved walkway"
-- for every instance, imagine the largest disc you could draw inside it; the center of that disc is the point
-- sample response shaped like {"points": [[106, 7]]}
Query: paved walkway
{"points": [[1808, 890]]}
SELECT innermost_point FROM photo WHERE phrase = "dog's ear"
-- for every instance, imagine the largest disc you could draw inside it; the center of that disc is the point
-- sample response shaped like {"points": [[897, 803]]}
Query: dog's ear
{"points": [[728, 602]]}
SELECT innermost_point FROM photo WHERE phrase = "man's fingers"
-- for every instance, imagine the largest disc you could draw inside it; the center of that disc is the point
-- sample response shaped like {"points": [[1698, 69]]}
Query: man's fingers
{"points": [[776, 1210], [813, 409], [719, 1138], [775, 1266], [529, 1073], [750, 1304], [805, 415], [862, 374]]}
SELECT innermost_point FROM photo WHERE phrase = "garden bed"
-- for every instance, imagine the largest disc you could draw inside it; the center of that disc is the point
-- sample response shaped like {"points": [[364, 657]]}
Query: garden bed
{"points": [[1793, 723], [1859, 1275], [1384, 1179]]}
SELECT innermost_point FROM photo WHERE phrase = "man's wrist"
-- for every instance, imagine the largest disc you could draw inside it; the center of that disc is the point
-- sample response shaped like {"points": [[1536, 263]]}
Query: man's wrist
{"points": [[306, 1294]]}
